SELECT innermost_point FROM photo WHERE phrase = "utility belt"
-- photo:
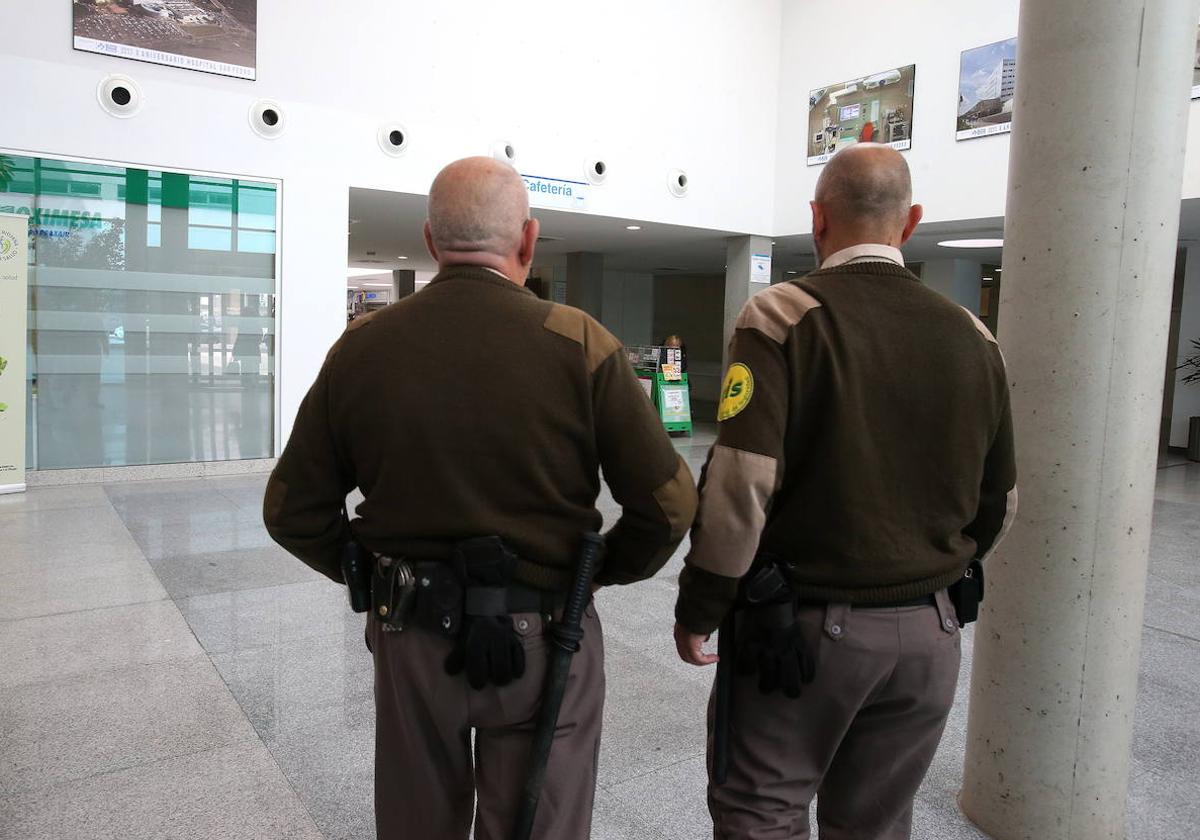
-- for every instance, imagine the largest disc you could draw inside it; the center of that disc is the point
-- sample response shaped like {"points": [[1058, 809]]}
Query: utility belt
{"points": [[769, 583], [432, 595], [468, 578], [466, 594]]}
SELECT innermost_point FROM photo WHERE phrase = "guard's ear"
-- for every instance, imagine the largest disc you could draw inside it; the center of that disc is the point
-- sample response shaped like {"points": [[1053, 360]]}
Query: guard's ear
{"points": [[529, 235], [915, 213], [429, 242]]}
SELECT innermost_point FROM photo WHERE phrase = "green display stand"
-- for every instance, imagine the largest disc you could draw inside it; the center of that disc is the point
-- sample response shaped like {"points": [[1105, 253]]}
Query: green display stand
{"points": [[673, 401], [671, 397]]}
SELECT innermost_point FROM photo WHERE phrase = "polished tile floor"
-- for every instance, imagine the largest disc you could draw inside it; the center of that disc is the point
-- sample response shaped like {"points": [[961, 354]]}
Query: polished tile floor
{"points": [[167, 672]]}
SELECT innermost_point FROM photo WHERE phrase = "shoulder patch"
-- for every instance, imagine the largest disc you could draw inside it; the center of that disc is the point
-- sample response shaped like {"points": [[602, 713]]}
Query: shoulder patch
{"points": [[736, 392], [598, 343], [776, 310]]}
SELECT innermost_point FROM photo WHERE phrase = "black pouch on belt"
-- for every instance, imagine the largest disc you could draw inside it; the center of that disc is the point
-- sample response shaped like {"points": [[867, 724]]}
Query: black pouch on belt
{"points": [[967, 594], [488, 647], [393, 592]]}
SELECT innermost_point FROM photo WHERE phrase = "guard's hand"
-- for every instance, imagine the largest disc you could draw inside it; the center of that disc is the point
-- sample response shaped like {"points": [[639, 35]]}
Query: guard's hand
{"points": [[690, 646]]}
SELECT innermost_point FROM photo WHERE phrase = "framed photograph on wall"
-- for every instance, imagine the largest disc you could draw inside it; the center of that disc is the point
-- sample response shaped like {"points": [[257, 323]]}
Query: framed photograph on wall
{"points": [[987, 81], [204, 35], [870, 109]]}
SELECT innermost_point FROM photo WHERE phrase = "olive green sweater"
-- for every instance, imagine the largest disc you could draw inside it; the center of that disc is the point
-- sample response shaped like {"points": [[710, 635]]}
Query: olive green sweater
{"points": [[868, 442], [474, 408]]}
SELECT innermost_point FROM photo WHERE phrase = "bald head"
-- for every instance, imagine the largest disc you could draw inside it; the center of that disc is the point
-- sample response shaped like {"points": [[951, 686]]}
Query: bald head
{"points": [[479, 215], [477, 204], [864, 195]]}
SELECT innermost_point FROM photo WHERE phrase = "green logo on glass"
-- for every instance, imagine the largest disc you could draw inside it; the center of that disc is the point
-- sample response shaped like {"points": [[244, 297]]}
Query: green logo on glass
{"points": [[8, 246]]}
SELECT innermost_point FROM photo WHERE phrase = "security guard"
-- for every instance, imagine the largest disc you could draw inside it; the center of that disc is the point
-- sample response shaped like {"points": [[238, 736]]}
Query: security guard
{"points": [[475, 419], [864, 460]]}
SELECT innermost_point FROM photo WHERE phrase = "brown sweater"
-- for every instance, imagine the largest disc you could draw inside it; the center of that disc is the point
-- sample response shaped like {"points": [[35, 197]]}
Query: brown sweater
{"points": [[471, 409], [867, 440]]}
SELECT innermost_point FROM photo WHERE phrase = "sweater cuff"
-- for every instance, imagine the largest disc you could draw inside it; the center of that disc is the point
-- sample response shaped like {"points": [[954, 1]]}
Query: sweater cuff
{"points": [[704, 599]]}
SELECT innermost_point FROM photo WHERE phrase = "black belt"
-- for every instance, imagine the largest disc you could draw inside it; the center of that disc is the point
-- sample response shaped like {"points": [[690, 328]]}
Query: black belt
{"points": [[517, 598], [923, 601]]}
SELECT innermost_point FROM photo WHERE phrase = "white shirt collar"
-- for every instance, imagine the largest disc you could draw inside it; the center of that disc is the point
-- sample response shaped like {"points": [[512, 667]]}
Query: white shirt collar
{"points": [[497, 273], [867, 252]]}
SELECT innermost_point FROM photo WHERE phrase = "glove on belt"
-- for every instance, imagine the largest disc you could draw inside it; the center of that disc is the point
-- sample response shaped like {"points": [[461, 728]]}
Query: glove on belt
{"points": [[778, 650], [488, 647]]}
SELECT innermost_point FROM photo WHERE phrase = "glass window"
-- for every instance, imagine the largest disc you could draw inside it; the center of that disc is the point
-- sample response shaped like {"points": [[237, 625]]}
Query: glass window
{"points": [[152, 313]]}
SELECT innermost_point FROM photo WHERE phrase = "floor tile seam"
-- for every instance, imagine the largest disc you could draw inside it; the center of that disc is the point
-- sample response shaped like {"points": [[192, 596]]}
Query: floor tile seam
{"points": [[227, 497], [75, 678], [67, 613], [252, 589], [213, 592], [106, 507], [612, 788], [258, 648], [257, 736], [70, 509], [41, 789], [1176, 634]]}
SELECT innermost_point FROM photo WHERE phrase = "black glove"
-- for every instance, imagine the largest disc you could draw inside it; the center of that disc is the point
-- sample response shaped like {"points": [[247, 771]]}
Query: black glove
{"points": [[778, 652], [489, 649]]}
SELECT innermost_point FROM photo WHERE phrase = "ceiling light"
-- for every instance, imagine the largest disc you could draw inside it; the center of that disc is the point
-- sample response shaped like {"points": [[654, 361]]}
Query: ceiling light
{"points": [[793, 271], [377, 285], [998, 270], [633, 227], [367, 272], [972, 243], [401, 257]]}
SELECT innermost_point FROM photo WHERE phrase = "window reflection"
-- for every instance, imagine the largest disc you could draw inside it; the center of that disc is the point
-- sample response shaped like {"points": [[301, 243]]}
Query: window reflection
{"points": [[151, 316]]}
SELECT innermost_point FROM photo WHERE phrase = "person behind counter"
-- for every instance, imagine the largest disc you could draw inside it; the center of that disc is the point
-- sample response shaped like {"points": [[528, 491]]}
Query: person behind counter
{"points": [[674, 341]]}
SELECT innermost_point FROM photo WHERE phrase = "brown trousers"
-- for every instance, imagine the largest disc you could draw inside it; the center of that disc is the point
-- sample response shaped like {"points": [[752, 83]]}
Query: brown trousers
{"points": [[860, 737], [428, 783]]}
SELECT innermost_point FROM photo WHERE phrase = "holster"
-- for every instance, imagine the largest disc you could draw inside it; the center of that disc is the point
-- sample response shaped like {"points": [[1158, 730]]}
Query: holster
{"points": [[967, 594], [393, 592]]}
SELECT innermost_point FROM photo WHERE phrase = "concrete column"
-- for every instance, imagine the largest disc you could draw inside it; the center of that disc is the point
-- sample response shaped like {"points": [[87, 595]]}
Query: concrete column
{"points": [[585, 282], [1092, 220], [959, 280], [740, 284], [404, 283]]}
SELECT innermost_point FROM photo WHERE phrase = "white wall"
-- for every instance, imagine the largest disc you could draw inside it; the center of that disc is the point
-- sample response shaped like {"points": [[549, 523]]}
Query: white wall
{"points": [[646, 86], [1187, 397], [826, 43]]}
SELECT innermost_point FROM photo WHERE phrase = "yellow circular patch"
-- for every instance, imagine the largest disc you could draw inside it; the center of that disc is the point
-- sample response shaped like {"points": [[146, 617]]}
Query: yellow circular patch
{"points": [[736, 392]]}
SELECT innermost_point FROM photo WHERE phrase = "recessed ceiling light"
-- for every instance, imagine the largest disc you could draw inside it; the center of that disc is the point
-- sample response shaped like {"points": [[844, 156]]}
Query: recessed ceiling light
{"points": [[972, 243], [633, 227], [998, 270], [367, 272], [378, 285], [793, 271], [401, 257]]}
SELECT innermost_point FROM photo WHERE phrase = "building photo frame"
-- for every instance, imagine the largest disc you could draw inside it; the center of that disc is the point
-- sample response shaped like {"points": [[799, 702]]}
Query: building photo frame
{"points": [[208, 36], [877, 108]]}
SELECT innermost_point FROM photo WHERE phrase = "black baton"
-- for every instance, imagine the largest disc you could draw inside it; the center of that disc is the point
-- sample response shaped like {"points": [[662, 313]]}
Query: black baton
{"points": [[723, 698], [565, 637]]}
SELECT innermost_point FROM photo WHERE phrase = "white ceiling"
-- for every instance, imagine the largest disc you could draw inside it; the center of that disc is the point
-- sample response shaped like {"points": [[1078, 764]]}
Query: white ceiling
{"points": [[390, 224]]}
